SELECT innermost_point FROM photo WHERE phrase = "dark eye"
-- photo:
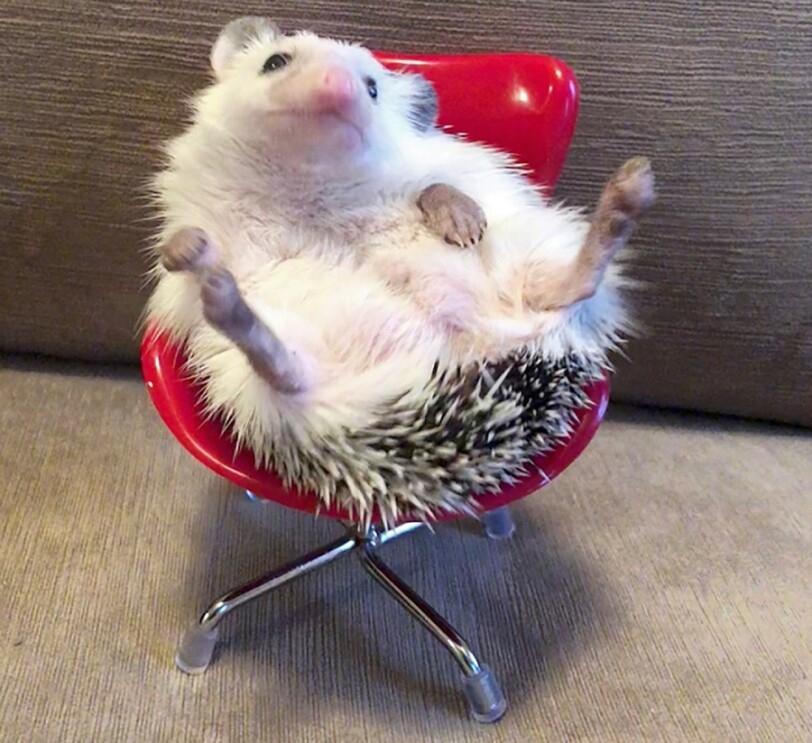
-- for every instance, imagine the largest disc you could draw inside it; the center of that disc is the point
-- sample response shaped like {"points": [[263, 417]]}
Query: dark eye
{"points": [[372, 88], [276, 62]]}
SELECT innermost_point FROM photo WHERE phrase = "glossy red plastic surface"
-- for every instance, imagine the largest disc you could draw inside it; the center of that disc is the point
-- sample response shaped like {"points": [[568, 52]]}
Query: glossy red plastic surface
{"points": [[525, 104]]}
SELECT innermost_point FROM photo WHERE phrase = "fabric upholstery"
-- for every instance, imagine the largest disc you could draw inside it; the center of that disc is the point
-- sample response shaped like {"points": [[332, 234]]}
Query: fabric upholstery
{"points": [[716, 94]]}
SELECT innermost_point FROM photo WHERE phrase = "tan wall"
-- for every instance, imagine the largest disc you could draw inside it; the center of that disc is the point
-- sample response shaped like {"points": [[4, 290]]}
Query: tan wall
{"points": [[718, 94]]}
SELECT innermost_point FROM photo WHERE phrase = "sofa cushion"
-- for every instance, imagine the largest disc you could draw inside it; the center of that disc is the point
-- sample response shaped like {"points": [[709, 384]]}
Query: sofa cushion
{"points": [[717, 97]]}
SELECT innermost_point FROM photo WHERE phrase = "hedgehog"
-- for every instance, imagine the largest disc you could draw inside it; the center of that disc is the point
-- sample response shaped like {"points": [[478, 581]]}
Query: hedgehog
{"points": [[387, 315]]}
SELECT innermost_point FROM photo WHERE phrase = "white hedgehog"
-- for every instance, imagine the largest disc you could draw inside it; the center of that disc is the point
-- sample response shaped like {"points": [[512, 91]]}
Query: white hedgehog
{"points": [[387, 315]]}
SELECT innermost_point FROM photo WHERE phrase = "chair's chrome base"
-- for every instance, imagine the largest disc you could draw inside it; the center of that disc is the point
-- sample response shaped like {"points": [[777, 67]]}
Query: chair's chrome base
{"points": [[486, 701]]}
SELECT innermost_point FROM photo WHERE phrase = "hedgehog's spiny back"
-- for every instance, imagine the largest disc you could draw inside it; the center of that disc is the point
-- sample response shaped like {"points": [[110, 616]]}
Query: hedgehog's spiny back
{"points": [[473, 431]]}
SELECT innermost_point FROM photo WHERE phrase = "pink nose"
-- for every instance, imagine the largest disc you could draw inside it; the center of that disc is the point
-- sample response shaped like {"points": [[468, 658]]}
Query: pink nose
{"points": [[337, 87]]}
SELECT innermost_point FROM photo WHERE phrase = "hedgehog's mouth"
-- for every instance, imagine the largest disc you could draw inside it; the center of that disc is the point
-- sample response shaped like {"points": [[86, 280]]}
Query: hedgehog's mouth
{"points": [[328, 120]]}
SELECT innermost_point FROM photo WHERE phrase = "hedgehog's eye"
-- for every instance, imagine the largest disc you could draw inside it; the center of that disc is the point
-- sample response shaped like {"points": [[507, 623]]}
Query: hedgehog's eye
{"points": [[276, 62], [372, 87]]}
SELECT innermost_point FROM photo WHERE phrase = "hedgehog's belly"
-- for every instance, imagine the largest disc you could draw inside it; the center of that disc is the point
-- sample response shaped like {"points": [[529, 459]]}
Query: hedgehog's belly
{"points": [[462, 293]]}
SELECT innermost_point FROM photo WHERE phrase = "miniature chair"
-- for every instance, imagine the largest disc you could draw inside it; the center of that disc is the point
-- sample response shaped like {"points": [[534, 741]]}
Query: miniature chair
{"points": [[527, 105]]}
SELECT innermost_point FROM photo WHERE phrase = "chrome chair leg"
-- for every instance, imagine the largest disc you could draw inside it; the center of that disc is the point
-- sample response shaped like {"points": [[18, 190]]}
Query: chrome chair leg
{"points": [[197, 646], [383, 537], [486, 701]]}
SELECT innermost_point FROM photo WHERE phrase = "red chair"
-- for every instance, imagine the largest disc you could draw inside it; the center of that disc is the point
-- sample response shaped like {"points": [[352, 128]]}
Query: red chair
{"points": [[527, 105]]}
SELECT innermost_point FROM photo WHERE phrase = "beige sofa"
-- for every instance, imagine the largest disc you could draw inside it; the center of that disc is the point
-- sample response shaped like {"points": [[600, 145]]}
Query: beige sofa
{"points": [[659, 590]]}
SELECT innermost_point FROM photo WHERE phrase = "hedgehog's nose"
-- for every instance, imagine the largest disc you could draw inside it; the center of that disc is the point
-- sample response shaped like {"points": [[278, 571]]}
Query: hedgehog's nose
{"points": [[337, 87]]}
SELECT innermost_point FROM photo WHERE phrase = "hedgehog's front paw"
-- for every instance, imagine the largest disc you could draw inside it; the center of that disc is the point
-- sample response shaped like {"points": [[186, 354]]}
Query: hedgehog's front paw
{"points": [[457, 218], [189, 249]]}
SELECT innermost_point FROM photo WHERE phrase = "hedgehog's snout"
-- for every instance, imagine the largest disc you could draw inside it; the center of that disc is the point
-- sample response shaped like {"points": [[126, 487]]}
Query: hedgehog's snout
{"points": [[336, 87]]}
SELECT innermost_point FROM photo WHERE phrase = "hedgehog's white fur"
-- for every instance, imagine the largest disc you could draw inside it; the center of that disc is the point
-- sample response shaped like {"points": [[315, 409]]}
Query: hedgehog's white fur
{"points": [[329, 249]]}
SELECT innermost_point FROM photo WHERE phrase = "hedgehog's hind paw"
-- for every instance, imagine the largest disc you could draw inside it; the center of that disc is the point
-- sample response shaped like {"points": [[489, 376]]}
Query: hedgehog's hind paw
{"points": [[189, 249], [627, 195], [226, 309]]}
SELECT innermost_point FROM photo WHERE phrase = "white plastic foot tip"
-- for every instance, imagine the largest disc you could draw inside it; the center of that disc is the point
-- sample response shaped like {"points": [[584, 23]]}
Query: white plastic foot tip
{"points": [[486, 702], [196, 650], [499, 524]]}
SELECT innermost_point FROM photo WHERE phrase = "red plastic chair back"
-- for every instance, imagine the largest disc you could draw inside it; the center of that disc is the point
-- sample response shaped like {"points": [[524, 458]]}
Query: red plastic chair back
{"points": [[524, 104]]}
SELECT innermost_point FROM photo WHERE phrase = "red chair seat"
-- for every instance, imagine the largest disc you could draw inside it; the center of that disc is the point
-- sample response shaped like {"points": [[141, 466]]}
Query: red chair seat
{"points": [[524, 104]]}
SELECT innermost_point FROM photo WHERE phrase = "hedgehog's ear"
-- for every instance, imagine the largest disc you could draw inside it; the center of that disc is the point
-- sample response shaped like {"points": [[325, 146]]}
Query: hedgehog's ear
{"points": [[424, 108], [236, 37]]}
